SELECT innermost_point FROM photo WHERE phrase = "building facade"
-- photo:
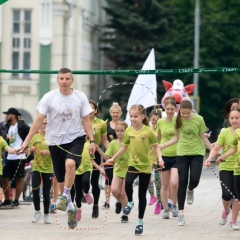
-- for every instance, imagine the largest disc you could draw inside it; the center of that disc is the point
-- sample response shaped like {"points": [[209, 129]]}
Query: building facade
{"points": [[48, 35]]}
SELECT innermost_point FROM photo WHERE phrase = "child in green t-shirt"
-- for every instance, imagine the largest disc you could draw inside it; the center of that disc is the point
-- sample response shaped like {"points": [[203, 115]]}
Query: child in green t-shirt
{"points": [[82, 179], [120, 167], [229, 169], [139, 137], [191, 143], [4, 146]]}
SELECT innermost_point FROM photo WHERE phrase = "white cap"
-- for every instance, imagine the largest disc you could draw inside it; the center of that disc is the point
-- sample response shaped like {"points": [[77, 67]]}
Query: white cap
{"points": [[178, 84]]}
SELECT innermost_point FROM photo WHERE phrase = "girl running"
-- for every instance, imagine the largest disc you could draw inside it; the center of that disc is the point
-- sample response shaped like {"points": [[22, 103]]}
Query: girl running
{"points": [[189, 134], [42, 172], [227, 141], [115, 113], [100, 137], [82, 179], [120, 168], [154, 116], [169, 174], [139, 137]]}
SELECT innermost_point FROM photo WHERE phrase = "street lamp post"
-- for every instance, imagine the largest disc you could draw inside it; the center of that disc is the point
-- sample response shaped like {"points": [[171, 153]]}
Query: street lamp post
{"points": [[196, 48]]}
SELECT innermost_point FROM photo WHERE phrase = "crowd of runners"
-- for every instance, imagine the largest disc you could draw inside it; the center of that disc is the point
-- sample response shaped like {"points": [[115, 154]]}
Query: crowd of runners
{"points": [[68, 146]]}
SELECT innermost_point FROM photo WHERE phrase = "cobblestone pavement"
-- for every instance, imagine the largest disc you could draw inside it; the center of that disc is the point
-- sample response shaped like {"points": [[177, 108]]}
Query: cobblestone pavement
{"points": [[201, 220]]}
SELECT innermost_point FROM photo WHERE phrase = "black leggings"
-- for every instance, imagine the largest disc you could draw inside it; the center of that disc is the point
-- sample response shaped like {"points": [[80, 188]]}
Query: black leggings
{"points": [[81, 185], [184, 165], [237, 184], [144, 179], [228, 179], [46, 186], [95, 180]]}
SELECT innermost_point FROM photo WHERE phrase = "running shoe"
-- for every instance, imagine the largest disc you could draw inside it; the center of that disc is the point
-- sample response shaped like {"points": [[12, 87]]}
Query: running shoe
{"points": [[72, 221], [165, 214], [174, 211], [124, 219], [139, 230], [15, 203], [224, 216], [190, 196], [62, 205], [152, 200], [118, 207], [52, 208], [36, 217], [169, 206], [95, 212], [127, 209], [46, 219], [79, 214], [158, 208], [234, 225], [88, 198], [106, 205], [7, 204], [181, 220]]}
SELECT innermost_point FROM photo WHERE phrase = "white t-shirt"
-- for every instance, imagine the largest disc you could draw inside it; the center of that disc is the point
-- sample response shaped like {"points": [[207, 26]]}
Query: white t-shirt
{"points": [[64, 115], [15, 142]]}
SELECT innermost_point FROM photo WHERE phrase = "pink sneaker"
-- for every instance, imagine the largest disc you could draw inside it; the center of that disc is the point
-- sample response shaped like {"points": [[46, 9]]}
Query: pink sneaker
{"points": [[153, 199], [234, 225], [158, 208], [88, 198], [79, 215], [223, 218]]}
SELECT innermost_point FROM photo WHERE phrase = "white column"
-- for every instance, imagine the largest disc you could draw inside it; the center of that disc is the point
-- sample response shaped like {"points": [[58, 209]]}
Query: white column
{"points": [[45, 29]]}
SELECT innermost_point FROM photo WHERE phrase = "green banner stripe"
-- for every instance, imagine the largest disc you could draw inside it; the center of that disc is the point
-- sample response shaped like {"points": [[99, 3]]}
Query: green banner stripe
{"points": [[130, 72], [3, 1]]}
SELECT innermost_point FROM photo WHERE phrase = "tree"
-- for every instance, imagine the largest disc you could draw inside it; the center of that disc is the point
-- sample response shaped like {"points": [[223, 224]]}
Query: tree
{"points": [[128, 40], [168, 26]]}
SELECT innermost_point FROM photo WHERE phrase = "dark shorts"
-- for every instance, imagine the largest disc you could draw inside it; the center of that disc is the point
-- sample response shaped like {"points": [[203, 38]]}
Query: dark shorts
{"points": [[59, 156], [14, 169], [169, 162]]}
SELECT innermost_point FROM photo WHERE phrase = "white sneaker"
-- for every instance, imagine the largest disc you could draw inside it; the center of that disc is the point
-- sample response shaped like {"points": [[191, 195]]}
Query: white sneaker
{"points": [[234, 225], [47, 219], [190, 196], [165, 214], [181, 220], [36, 217], [223, 218]]}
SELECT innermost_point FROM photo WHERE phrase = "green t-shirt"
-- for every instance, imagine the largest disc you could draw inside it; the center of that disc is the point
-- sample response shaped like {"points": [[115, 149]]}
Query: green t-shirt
{"points": [[41, 163], [99, 128], [121, 163], [167, 131], [3, 145], [86, 164], [190, 143], [139, 143], [225, 140], [236, 142]]}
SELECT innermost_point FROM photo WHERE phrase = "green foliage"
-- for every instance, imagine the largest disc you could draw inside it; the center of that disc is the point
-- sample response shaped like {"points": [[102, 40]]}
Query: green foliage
{"points": [[135, 27]]}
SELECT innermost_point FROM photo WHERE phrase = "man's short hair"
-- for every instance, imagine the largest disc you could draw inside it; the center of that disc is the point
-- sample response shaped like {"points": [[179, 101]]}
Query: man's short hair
{"points": [[65, 70]]}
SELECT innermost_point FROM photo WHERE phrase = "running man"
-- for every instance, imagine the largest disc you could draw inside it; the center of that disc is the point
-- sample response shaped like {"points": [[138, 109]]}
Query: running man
{"points": [[67, 111]]}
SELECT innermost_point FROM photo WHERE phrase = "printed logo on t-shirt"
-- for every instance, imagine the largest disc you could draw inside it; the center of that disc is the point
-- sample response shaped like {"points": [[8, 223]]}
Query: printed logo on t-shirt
{"points": [[168, 132], [12, 137], [131, 137], [188, 131], [143, 137], [65, 115]]}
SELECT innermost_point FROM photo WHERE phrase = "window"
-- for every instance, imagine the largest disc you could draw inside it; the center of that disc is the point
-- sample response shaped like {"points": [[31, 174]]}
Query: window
{"points": [[21, 41]]}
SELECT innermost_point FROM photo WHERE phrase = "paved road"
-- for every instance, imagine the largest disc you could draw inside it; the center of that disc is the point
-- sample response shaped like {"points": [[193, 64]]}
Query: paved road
{"points": [[201, 220]]}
